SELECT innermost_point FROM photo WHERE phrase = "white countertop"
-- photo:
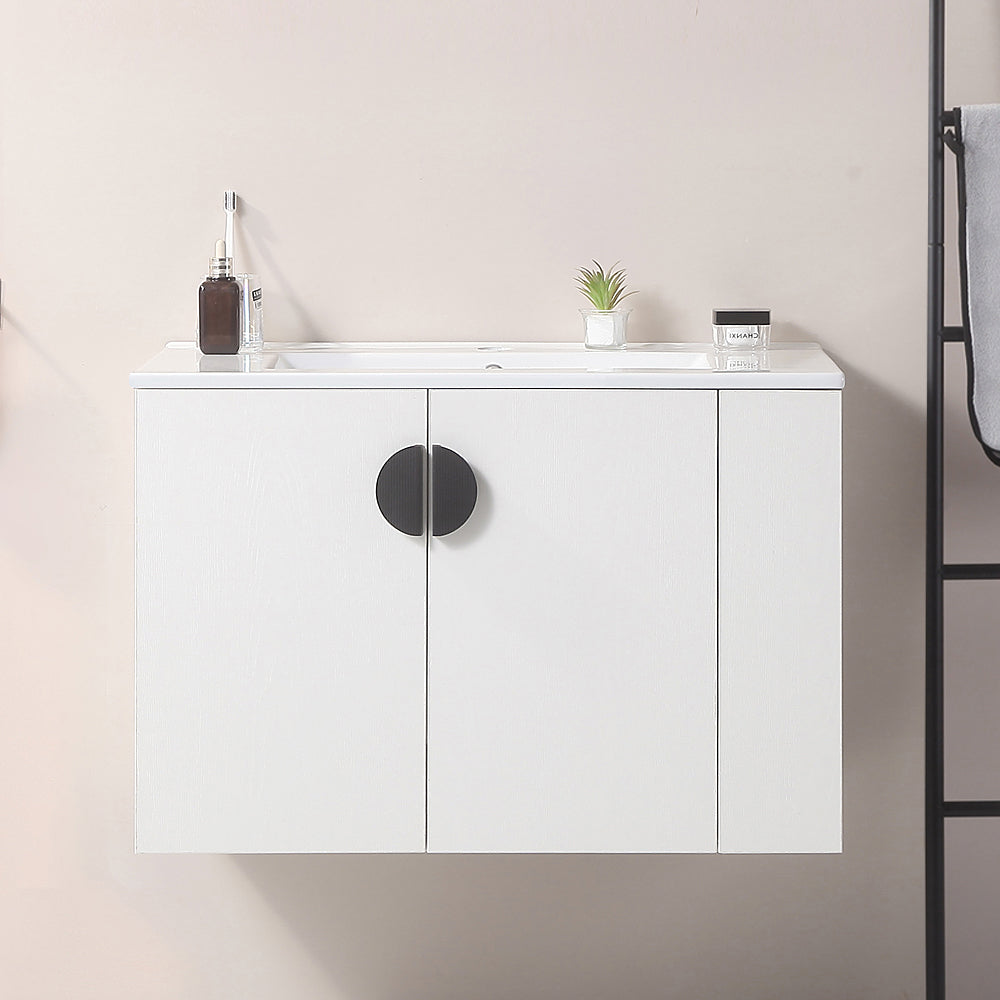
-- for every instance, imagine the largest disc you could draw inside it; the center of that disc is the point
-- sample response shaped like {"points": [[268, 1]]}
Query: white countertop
{"points": [[490, 365]]}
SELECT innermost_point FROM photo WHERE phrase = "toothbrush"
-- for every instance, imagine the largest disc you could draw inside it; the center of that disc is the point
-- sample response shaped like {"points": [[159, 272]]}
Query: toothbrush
{"points": [[229, 204]]}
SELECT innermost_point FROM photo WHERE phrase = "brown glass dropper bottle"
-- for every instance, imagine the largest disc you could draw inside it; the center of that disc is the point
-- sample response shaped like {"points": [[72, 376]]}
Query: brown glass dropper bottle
{"points": [[219, 306]]}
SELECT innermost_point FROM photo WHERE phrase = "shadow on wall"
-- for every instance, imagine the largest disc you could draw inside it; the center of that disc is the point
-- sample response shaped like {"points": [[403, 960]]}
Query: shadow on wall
{"points": [[256, 235], [597, 926], [883, 490], [504, 926]]}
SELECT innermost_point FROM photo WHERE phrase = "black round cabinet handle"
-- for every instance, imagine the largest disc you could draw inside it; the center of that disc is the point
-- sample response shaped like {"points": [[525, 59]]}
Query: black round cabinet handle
{"points": [[399, 490], [454, 489]]}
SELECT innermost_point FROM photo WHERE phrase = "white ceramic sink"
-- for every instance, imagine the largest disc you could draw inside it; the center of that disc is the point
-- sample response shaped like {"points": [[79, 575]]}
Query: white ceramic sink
{"points": [[499, 358], [450, 365]]}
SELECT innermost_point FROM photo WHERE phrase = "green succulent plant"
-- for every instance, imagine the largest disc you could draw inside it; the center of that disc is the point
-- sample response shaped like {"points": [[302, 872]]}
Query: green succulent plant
{"points": [[604, 289]]}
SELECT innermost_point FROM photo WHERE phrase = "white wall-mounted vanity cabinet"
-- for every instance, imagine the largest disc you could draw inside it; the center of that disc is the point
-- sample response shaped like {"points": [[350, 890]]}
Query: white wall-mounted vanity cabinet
{"points": [[631, 644]]}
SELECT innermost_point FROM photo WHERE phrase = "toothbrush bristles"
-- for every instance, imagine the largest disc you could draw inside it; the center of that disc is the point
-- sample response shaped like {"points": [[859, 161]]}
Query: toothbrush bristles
{"points": [[230, 201]]}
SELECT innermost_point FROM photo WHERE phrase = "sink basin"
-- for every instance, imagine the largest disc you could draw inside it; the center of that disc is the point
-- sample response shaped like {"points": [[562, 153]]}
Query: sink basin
{"points": [[499, 358], [477, 365]]}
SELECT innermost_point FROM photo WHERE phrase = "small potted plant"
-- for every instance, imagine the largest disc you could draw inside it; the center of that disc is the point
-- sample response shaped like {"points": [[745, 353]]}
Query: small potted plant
{"points": [[604, 325]]}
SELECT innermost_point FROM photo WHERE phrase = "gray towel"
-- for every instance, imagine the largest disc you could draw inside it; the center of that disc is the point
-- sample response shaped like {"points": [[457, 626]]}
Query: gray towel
{"points": [[978, 134]]}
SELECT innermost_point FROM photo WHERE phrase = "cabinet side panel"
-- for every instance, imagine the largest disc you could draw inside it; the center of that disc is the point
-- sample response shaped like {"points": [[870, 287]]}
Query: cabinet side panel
{"points": [[779, 622], [280, 624], [572, 656]]}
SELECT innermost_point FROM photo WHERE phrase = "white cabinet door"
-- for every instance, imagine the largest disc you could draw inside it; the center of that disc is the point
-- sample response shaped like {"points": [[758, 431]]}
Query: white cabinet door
{"points": [[572, 626], [280, 660], [779, 621]]}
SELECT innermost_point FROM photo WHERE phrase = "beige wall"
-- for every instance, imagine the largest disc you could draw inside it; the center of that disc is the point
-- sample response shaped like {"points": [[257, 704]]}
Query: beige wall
{"points": [[430, 169]]}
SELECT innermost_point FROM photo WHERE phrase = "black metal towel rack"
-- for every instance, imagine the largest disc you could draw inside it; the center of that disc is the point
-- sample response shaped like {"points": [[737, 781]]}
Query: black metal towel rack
{"points": [[937, 808]]}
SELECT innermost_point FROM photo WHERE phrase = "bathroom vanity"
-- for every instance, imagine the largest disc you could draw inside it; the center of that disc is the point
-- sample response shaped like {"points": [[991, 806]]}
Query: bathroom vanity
{"points": [[630, 642]]}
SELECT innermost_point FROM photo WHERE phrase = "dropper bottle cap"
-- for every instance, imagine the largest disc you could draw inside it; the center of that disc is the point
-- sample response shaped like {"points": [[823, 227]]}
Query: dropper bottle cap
{"points": [[220, 266]]}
